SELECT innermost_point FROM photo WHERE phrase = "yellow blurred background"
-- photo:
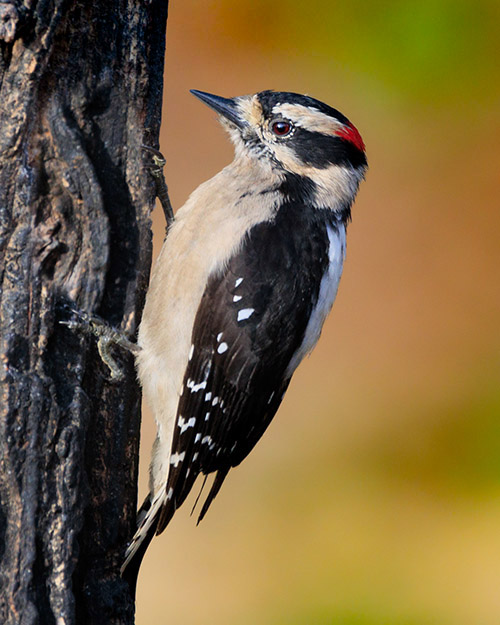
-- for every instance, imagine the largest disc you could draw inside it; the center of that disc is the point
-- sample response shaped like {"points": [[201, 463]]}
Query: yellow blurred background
{"points": [[374, 497]]}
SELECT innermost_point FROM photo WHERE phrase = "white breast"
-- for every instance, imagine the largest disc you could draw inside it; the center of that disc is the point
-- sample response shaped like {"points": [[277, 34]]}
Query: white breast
{"points": [[326, 297]]}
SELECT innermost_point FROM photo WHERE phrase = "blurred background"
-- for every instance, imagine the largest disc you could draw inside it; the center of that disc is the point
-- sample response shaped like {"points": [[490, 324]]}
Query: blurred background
{"points": [[374, 497]]}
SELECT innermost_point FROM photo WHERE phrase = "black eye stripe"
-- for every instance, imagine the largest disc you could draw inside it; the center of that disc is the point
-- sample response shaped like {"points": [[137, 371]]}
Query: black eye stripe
{"points": [[321, 151]]}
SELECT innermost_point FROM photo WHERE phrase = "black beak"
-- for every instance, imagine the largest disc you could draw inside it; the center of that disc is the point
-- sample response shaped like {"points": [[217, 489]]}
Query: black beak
{"points": [[227, 107]]}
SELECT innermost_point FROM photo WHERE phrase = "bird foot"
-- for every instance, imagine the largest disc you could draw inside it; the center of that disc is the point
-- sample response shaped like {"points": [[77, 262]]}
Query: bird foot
{"points": [[156, 170], [106, 336]]}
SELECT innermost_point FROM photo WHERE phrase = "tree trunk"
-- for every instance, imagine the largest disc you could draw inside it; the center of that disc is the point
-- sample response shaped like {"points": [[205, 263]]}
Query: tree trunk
{"points": [[80, 92]]}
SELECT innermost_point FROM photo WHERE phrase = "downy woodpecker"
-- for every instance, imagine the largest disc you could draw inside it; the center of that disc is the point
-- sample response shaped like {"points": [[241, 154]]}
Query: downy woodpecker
{"points": [[238, 296]]}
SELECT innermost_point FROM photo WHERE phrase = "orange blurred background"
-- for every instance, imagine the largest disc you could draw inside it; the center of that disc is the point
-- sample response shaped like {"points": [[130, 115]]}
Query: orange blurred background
{"points": [[374, 497]]}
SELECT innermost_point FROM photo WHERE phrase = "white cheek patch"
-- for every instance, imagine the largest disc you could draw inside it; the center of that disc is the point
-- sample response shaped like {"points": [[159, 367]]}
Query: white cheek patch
{"points": [[290, 161], [335, 184]]}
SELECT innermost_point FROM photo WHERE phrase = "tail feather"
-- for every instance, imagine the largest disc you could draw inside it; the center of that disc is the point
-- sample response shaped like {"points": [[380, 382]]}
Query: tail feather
{"points": [[177, 497], [154, 515], [147, 518], [130, 568], [199, 494], [219, 479]]}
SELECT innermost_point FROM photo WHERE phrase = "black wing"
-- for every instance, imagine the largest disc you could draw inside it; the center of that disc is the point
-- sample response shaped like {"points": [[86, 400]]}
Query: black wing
{"points": [[251, 320]]}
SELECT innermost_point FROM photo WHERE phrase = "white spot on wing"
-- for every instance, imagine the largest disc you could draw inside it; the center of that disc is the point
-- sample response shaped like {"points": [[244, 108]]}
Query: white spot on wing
{"points": [[219, 336], [198, 387], [184, 425], [208, 396], [176, 458], [222, 348], [238, 282], [245, 313], [236, 298], [191, 352]]}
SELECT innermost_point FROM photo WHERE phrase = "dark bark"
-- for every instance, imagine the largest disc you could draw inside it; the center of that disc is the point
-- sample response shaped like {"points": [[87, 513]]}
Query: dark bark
{"points": [[80, 92]]}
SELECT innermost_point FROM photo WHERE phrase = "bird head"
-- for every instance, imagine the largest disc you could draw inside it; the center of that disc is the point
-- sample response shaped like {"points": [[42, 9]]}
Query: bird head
{"points": [[303, 138]]}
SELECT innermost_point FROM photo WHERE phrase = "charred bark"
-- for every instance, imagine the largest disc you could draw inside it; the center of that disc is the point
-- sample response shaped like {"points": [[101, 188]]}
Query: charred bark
{"points": [[80, 92]]}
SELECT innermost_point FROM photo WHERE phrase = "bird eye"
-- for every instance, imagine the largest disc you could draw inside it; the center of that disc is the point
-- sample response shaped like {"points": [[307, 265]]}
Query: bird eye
{"points": [[281, 128]]}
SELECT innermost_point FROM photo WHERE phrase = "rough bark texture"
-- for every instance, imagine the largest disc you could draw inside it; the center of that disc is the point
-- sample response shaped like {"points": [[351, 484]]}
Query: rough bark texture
{"points": [[80, 91]]}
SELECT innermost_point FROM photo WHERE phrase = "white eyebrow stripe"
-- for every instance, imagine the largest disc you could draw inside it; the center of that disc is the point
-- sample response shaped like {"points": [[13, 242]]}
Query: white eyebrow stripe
{"points": [[308, 117]]}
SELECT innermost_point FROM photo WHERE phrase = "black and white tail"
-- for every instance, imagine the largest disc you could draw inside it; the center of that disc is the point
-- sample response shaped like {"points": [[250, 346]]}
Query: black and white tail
{"points": [[152, 518]]}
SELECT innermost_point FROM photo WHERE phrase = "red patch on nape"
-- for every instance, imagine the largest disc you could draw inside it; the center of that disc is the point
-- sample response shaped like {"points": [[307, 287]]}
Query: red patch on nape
{"points": [[350, 133]]}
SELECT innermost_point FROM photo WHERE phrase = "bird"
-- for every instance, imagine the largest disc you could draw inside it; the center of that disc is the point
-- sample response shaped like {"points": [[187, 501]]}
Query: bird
{"points": [[245, 279]]}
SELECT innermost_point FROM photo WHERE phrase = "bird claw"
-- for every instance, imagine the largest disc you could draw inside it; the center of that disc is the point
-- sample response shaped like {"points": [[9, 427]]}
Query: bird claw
{"points": [[159, 161], [156, 170], [106, 336]]}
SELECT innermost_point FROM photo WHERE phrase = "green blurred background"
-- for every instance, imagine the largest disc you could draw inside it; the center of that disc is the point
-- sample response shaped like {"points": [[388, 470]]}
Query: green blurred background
{"points": [[374, 498]]}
